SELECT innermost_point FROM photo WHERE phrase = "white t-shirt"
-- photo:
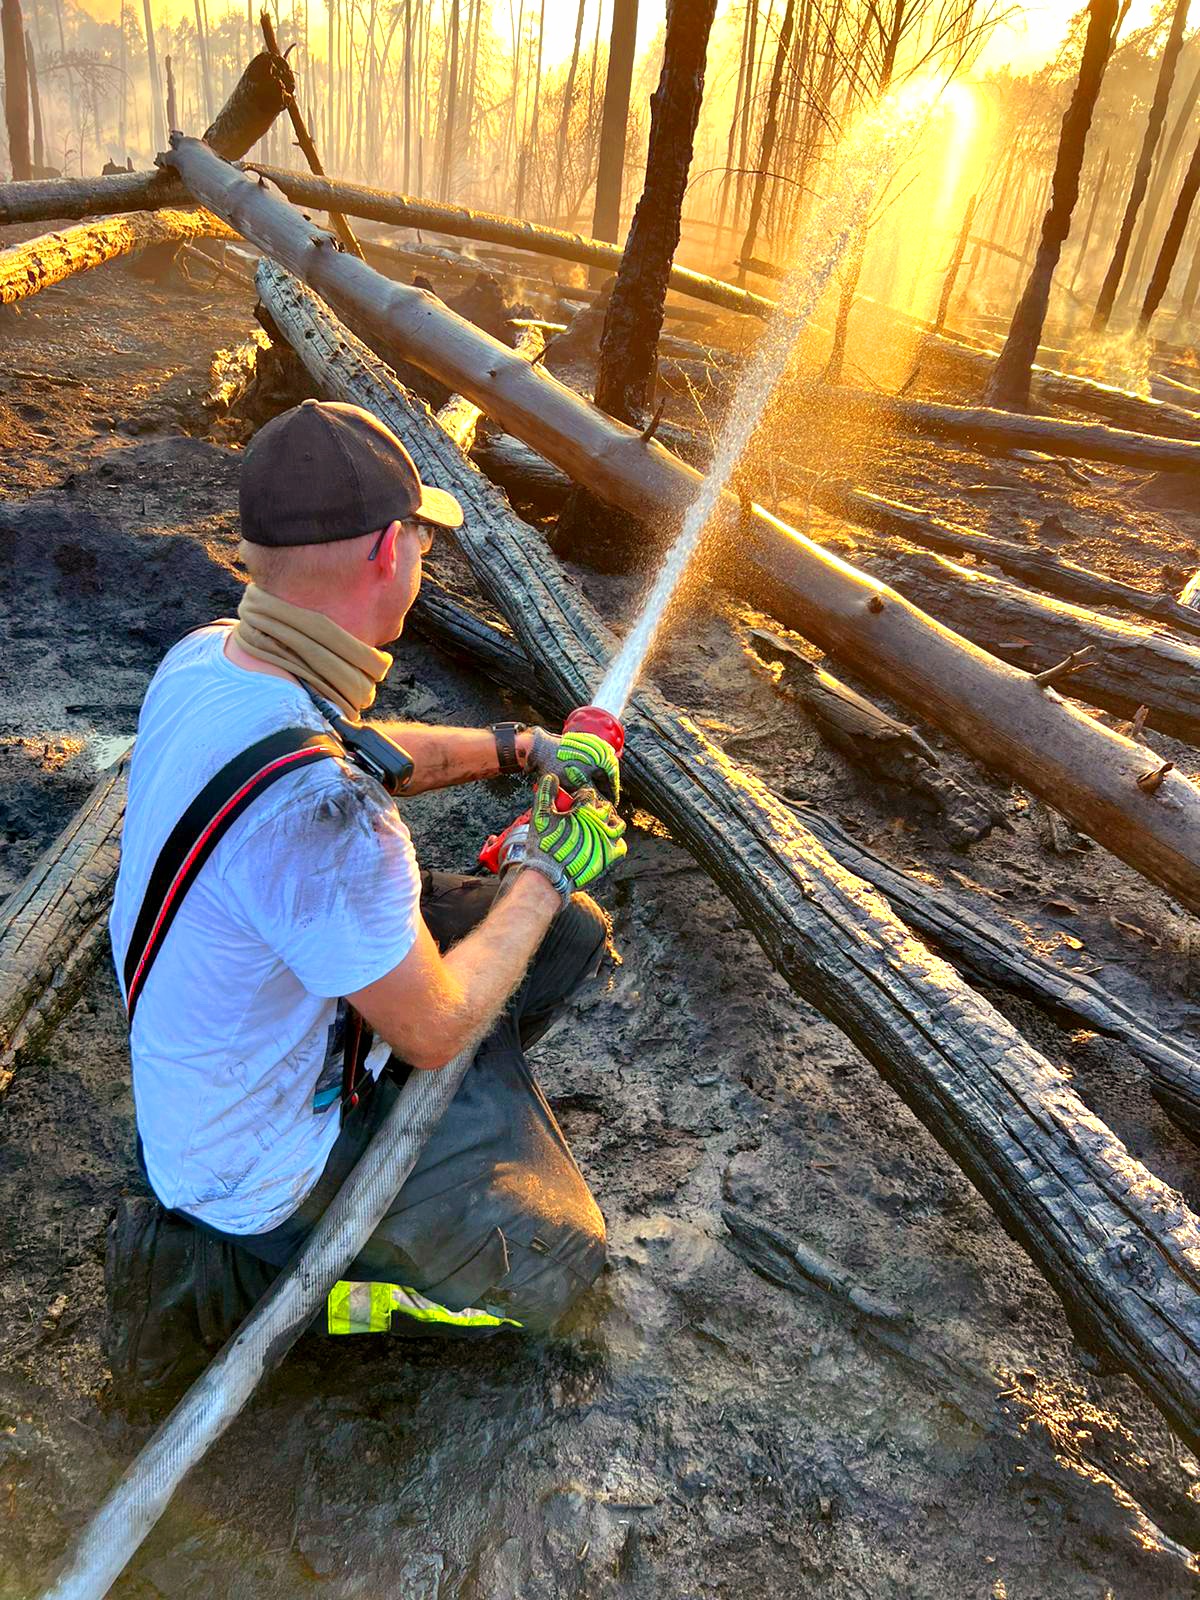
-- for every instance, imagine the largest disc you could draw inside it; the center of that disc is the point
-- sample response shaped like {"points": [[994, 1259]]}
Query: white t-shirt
{"points": [[313, 893]]}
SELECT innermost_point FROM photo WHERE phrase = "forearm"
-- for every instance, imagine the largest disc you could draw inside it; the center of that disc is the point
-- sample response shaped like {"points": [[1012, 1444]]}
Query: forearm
{"points": [[483, 969], [442, 757]]}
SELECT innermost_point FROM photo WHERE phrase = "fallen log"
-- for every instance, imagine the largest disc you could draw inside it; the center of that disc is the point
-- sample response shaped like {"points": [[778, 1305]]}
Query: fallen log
{"points": [[1126, 665], [1120, 1248], [525, 476], [983, 428], [1042, 570], [999, 714], [54, 926], [27, 269], [257, 99], [459, 417], [869, 738]]}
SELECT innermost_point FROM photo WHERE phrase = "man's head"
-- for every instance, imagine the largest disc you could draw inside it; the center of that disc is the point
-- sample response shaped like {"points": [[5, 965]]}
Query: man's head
{"points": [[335, 517]]}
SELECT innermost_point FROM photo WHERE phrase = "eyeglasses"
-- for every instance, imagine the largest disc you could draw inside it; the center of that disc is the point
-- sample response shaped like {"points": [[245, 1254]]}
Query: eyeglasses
{"points": [[423, 531]]}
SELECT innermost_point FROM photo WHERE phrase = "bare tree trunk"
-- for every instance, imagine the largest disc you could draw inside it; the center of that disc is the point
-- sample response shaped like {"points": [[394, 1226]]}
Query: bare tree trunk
{"points": [[633, 320], [1009, 385], [451, 105], [606, 218], [408, 93], [956, 261], [210, 100], [157, 130], [1191, 289], [16, 89], [1159, 180], [1160, 278], [1097, 192], [35, 106], [564, 121], [1141, 175], [726, 182], [767, 144]]}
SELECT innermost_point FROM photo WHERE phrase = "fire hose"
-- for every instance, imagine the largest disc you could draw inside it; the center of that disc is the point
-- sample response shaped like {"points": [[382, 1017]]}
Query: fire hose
{"points": [[298, 1294]]}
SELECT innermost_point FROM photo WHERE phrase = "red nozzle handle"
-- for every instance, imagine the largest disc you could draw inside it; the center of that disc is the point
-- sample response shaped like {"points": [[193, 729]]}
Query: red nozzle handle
{"points": [[592, 719]]}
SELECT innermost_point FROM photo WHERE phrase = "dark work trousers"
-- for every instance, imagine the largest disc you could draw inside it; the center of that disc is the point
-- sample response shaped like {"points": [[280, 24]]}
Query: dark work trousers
{"points": [[495, 1215]]}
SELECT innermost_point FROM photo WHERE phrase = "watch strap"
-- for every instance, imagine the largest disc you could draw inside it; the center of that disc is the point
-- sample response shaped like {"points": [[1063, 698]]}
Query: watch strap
{"points": [[505, 735]]}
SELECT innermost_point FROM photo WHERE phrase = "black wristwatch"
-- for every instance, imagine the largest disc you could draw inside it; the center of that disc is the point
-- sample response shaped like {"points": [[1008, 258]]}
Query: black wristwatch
{"points": [[505, 735]]}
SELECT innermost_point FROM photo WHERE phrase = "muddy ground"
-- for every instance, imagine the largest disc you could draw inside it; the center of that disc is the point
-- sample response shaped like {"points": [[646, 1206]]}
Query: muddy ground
{"points": [[698, 1431]]}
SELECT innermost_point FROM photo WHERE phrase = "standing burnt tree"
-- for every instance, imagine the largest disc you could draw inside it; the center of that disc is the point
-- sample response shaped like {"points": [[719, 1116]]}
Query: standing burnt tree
{"points": [[1009, 384], [606, 218], [628, 361], [633, 321], [1141, 175], [16, 88], [1160, 278]]}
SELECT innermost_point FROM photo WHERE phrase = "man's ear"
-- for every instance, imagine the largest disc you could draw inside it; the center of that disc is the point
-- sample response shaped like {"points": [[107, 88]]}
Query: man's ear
{"points": [[385, 561]]}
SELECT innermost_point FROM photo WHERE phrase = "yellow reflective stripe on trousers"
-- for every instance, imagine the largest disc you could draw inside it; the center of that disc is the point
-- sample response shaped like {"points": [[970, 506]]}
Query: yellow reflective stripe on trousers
{"points": [[368, 1308]]}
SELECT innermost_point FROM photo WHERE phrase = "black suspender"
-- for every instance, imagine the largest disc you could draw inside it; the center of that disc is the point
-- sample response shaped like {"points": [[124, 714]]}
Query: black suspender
{"points": [[197, 833]]}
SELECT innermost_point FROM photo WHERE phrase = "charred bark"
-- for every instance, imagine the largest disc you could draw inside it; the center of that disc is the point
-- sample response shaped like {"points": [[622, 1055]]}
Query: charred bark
{"points": [[28, 268], [54, 927], [1128, 666], [1038, 568], [1141, 175], [1120, 1248], [995, 711], [606, 217], [1009, 384], [879, 744], [1160, 278], [633, 321], [16, 90]]}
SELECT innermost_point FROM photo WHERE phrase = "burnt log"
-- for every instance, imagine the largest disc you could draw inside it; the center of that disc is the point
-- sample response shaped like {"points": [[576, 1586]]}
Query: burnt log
{"points": [[459, 417], [258, 97], [984, 428], [54, 926], [1126, 665], [1120, 1248], [995, 711], [27, 269], [526, 477], [1039, 568], [882, 746]]}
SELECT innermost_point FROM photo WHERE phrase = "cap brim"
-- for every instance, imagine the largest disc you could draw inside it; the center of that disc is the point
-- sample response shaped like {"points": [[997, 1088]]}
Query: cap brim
{"points": [[439, 507]]}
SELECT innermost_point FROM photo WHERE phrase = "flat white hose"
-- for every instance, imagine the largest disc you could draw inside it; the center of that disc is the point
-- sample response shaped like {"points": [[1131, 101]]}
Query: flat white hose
{"points": [[263, 1340]]}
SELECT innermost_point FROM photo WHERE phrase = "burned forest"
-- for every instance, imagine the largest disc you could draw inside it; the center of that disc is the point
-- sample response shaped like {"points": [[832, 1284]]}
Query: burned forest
{"points": [[599, 800]]}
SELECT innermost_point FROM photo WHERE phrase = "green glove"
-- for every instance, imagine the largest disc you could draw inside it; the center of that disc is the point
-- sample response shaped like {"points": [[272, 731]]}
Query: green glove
{"points": [[577, 760], [571, 848]]}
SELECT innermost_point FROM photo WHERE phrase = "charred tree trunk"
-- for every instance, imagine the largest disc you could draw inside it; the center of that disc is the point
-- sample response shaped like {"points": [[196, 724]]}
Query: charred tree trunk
{"points": [[995, 711], [1159, 179], [956, 261], [28, 268], [770, 129], [283, 75], [633, 321], [260, 94], [622, 41], [1043, 571], [564, 120], [156, 89], [16, 89], [1009, 385], [35, 106], [449, 130], [1160, 278], [1141, 175], [883, 747], [54, 927], [1092, 1218]]}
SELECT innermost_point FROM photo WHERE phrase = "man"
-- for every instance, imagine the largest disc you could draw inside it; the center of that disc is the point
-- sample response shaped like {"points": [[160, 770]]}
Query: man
{"points": [[310, 928]]}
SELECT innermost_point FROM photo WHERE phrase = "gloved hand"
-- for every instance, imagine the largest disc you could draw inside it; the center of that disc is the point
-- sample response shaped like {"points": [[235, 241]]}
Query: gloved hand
{"points": [[577, 760], [571, 848]]}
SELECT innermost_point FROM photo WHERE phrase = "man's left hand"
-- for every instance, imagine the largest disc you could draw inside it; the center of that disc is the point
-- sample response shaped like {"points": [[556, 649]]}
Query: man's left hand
{"points": [[577, 760]]}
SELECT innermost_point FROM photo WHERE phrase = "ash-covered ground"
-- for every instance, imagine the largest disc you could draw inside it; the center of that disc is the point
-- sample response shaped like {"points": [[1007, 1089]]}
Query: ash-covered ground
{"points": [[698, 1431]]}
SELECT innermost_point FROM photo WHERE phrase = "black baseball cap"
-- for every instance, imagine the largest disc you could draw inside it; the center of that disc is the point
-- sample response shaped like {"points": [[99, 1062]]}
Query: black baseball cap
{"points": [[326, 471]]}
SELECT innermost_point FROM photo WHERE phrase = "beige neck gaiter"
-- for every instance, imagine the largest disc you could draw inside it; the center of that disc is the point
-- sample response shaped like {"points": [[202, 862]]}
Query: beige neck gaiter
{"points": [[313, 648]]}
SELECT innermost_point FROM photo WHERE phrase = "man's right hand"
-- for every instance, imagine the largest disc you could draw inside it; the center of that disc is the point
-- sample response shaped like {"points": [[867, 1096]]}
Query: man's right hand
{"points": [[572, 849]]}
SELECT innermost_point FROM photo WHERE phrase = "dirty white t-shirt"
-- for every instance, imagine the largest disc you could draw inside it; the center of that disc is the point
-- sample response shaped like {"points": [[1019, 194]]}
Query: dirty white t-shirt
{"points": [[313, 893]]}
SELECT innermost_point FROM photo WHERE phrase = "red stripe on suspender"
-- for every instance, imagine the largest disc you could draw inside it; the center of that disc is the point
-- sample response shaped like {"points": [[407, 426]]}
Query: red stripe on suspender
{"points": [[263, 772]]}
